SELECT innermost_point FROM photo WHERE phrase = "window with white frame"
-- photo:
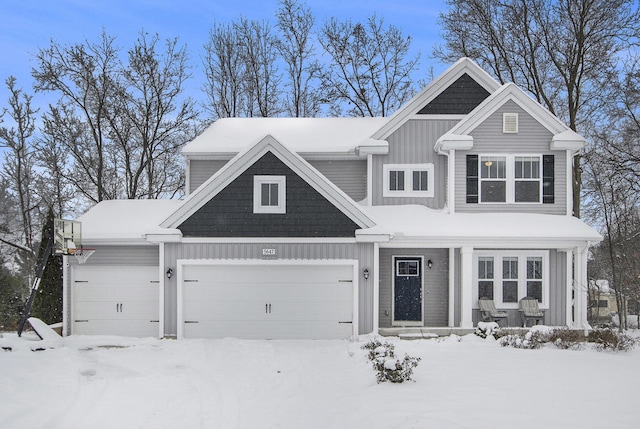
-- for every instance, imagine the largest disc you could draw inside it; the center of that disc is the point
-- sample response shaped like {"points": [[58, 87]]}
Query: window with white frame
{"points": [[408, 180], [508, 276], [269, 194], [510, 178]]}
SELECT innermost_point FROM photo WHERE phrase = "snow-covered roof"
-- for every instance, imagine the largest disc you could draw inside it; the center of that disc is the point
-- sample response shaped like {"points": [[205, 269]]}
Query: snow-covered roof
{"points": [[419, 223], [301, 135], [126, 220]]}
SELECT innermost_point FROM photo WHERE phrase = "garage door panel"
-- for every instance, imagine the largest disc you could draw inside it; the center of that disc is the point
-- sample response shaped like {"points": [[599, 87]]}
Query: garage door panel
{"points": [[107, 300], [268, 301]]}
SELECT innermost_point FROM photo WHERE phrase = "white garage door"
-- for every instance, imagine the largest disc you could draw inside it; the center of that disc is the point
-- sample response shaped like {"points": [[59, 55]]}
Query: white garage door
{"points": [[115, 301], [270, 301]]}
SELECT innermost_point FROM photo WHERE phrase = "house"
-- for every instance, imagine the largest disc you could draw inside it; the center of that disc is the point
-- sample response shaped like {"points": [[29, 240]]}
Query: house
{"points": [[333, 227]]}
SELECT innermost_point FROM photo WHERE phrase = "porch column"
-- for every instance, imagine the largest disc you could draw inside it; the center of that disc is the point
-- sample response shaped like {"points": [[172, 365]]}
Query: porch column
{"points": [[466, 289], [452, 286], [568, 308], [580, 289], [376, 288]]}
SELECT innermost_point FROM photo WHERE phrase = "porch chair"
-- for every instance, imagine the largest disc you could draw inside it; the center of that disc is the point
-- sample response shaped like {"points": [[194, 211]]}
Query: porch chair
{"points": [[529, 311], [489, 312]]}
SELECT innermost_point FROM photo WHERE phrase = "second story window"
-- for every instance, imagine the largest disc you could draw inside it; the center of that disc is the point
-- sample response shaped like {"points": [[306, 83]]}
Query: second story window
{"points": [[408, 180], [269, 194]]}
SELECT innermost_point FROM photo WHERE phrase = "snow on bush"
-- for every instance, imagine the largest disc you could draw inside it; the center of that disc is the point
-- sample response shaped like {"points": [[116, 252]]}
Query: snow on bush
{"points": [[485, 329], [387, 366], [608, 339]]}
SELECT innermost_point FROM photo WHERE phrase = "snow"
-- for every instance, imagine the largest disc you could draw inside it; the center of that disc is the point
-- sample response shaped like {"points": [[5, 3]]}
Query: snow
{"points": [[461, 382], [301, 135], [422, 222]]}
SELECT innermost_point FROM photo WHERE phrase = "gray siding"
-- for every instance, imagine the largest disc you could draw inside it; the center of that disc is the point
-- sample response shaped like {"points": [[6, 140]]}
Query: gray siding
{"points": [[201, 170], [349, 176], [413, 143], [435, 285], [253, 251], [532, 138]]}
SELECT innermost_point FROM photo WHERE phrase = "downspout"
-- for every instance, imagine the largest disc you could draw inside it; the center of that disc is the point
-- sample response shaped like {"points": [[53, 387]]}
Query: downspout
{"points": [[449, 205], [369, 180]]}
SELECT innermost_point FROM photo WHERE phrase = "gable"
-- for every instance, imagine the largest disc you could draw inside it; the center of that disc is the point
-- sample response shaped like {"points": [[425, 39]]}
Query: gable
{"points": [[230, 212], [459, 98]]}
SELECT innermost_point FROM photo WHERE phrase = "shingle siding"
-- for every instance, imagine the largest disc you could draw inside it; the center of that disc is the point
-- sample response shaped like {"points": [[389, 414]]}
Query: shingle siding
{"points": [[460, 98], [230, 212]]}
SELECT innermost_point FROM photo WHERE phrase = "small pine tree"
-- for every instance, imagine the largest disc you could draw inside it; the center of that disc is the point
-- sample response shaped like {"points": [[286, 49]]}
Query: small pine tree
{"points": [[47, 305]]}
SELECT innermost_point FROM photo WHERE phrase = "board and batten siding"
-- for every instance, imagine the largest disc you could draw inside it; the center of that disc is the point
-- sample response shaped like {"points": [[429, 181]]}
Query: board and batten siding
{"points": [[413, 143], [348, 175], [532, 138], [121, 256], [252, 252], [435, 285], [200, 170]]}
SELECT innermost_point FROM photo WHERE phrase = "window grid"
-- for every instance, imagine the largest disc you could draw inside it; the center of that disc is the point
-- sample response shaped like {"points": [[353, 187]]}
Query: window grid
{"points": [[510, 179]]}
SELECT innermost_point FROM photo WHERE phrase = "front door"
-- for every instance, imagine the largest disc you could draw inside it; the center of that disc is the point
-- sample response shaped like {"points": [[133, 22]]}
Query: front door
{"points": [[407, 291]]}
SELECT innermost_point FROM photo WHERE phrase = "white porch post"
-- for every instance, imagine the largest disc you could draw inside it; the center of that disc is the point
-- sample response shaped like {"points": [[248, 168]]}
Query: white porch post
{"points": [[569, 292], [376, 288], [452, 286], [466, 281], [580, 288]]}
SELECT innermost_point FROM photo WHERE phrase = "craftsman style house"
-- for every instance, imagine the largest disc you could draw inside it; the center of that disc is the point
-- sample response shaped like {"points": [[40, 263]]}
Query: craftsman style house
{"points": [[333, 227]]}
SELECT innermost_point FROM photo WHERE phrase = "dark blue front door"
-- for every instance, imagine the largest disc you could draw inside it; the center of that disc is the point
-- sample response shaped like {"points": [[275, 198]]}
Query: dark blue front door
{"points": [[407, 305]]}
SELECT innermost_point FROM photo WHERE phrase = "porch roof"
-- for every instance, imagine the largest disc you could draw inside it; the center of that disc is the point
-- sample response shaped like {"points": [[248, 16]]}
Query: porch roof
{"points": [[418, 223]]}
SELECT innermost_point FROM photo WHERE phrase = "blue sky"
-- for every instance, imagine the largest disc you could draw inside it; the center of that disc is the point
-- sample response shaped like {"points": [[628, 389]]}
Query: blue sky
{"points": [[27, 25]]}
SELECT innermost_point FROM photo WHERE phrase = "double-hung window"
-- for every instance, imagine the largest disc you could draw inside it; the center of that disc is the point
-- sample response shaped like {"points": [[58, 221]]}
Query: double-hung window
{"points": [[508, 276], [510, 178], [269, 194], [408, 180]]}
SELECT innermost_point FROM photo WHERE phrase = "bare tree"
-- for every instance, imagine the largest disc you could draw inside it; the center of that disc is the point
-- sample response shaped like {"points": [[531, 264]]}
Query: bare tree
{"points": [[224, 72], [19, 164], [296, 22], [370, 69], [562, 51], [261, 78], [83, 75]]}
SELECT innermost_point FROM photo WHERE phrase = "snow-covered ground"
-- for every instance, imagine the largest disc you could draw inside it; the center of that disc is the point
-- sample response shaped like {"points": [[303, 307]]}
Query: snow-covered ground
{"points": [[468, 382]]}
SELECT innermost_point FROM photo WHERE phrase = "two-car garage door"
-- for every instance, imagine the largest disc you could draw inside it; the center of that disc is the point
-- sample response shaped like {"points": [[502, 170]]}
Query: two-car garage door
{"points": [[273, 301]]}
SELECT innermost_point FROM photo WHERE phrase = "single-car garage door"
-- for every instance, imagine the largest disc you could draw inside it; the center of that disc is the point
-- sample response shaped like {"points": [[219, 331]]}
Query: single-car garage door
{"points": [[115, 301], [272, 301]]}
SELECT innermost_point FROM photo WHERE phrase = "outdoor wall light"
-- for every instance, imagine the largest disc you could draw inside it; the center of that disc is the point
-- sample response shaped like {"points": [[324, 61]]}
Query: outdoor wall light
{"points": [[430, 263], [365, 273], [169, 273]]}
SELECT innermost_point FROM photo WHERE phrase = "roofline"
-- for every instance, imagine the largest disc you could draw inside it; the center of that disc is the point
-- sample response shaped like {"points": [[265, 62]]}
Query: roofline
{"points": [[431, 91], [243, 160]]}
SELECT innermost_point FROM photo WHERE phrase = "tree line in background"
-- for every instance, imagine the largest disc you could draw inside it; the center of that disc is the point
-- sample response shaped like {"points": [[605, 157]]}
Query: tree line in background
{"points": [[119, 118]]}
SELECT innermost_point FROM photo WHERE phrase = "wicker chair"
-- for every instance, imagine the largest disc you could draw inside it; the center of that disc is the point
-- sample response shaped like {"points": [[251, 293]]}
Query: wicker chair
{"points": [[489, 312], [529, 311]]}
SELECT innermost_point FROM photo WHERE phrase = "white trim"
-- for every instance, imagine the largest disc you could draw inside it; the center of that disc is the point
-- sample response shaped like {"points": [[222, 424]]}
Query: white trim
{"points": [[451, 177], [281, 183], [522, 256], [569, 185], [466, 287], [66, 295], [181, 263], [569, 288], [408, 170], [262, 240], [438, 117], [162, 276], [395, 322], [369, 180], [452, 286], [376, 289]]}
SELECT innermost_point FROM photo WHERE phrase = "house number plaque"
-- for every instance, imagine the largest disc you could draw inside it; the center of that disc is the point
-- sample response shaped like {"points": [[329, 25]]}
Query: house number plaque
{"points": [[268, 253]]}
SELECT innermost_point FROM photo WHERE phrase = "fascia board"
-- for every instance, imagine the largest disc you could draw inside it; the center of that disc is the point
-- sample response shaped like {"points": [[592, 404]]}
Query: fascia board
{"points": [[435, 88]]}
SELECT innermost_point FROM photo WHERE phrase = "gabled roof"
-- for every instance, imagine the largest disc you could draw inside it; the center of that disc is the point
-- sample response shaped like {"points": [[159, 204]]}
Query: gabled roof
{"points": [[301, 135], [435, 88], [564, 137], [243, 160]]}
